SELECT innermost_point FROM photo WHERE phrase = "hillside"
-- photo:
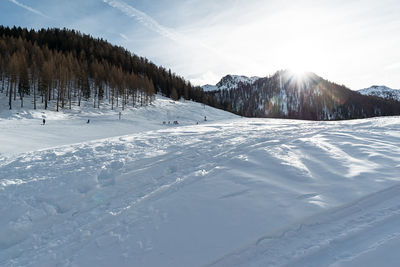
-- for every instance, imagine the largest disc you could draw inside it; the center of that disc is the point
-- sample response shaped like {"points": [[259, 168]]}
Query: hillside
{"points": [[308, 96], [227, 192], [63, 67], [381, 91], [21, 129]]}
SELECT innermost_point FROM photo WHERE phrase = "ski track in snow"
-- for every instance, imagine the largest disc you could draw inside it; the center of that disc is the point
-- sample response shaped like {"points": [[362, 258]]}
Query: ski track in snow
{"points": [[276, 192]]}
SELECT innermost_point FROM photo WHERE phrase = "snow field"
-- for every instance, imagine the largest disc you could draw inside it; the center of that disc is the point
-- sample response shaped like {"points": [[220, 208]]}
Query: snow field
{"points": [[229, 192], [21, 129]]}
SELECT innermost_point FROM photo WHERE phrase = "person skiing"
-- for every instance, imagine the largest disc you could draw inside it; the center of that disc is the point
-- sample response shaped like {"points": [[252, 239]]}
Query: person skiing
{"points": [[88, 121]]}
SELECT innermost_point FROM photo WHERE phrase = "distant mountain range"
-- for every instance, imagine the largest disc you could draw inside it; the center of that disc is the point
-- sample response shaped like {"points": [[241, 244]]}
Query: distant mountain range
{"points": [[381, 91], [308, 96]]}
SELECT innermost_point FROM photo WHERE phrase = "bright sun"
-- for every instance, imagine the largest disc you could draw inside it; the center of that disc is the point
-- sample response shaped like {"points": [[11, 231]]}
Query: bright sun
{"points": [[299, 74], [298, 71], [298, 61]]}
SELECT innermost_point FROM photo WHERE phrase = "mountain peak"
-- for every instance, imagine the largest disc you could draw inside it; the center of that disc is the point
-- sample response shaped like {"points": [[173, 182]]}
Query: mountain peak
{"points": [[381, 91], [230, 81]]}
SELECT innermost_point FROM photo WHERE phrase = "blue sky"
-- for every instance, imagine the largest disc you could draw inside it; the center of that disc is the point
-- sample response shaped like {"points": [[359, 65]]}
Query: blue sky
{"points": [[352, 42]]}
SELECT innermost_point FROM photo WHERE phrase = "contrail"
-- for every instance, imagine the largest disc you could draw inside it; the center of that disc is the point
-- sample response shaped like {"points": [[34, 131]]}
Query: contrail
{"points": [[28, 8], [144, 19], [153, 25]]}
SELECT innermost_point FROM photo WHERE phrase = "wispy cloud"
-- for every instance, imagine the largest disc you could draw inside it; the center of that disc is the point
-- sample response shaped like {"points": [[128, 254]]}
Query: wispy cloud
{"points": [[144, 19], [124, 37], [153, 25], [37, 12]]}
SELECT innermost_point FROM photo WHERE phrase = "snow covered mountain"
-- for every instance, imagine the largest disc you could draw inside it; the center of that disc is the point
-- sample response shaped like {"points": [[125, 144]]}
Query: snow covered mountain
{"points": [[381, 91], [230, 82], [289, 95], [227, 192]]}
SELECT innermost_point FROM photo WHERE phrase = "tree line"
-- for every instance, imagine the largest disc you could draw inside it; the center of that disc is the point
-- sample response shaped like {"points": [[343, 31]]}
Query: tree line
{"points": [[66, 67]]}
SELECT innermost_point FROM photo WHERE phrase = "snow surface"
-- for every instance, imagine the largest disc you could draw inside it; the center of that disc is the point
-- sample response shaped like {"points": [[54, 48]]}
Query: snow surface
{"points": [[227, 192], [381, 91], [23, 130]]}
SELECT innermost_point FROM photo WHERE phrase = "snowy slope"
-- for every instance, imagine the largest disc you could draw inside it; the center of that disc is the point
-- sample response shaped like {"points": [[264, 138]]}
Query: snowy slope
{"points": [[227, 192], [381, 91], [23, 130], [230, 82]]}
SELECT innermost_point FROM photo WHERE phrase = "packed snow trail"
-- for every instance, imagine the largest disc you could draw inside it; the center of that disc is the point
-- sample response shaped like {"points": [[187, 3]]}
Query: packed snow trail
{"points": [[188, 196]]}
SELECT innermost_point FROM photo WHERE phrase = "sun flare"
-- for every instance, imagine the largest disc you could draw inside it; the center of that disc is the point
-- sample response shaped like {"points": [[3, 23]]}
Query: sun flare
{"points": [[299, 72]]}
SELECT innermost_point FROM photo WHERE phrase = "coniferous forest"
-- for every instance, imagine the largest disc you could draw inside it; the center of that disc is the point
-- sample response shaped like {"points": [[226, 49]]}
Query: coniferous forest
{"points": [[61, 68], [65, 67]]}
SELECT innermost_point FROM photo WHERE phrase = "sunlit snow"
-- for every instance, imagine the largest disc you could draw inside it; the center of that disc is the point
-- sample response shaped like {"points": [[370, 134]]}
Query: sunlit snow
{"points": [[228, 191]]}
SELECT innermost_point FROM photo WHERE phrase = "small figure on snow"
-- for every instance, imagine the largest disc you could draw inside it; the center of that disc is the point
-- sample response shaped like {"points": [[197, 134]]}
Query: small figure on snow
{"points": [[44, 122], [119, 115], [205, 118], [88, 121]]}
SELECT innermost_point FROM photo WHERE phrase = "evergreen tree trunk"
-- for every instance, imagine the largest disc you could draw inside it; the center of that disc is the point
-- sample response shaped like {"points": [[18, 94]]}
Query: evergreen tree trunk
{"points": [[123, 100], [21, 95], [10, 98], [70, 95], [15, 91], [34, 94], [49, 92], [112, 100], [117, 98], [46, 98], [8, 87], [98, 99], [63, 98], [79, 98], [58, 98], [94, 97]]}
